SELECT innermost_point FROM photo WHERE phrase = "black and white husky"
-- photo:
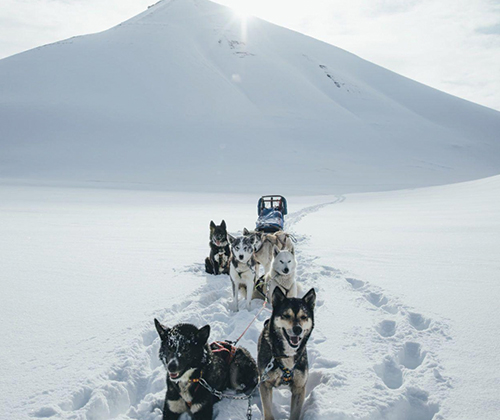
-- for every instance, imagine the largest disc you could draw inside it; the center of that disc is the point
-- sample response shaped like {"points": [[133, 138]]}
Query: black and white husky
{"points": [[188, 358], [282, 354], [218, 260], [242, 269]]}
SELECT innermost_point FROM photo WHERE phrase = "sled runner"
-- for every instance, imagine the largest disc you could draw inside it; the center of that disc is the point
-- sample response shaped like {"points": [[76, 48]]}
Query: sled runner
{"points": [[272, 210]]}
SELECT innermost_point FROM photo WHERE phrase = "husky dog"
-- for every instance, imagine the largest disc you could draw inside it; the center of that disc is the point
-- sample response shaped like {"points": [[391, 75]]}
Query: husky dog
{"points": [[264, 244], [282, 274], [242, 268], [218, 261], [283, 240], [282, 355], [187, 357]]}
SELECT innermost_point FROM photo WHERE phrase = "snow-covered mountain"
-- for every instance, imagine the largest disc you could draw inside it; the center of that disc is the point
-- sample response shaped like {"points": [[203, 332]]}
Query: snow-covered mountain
{"points": [[188, 96]]}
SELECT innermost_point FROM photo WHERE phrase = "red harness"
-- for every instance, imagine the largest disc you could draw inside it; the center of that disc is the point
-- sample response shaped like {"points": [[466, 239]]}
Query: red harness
{"points": [[224, 347]]}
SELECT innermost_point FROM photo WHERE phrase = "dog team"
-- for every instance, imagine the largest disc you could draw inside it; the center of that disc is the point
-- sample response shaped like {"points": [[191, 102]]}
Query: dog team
{"points": [[198, 372]]}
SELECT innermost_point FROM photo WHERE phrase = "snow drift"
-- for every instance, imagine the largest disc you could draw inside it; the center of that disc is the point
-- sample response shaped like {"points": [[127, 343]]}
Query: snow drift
{"points": [[188, 96]]}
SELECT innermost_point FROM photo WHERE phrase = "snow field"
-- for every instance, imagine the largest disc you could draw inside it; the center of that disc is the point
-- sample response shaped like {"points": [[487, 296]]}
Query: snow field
{"points": [[370, 356]]}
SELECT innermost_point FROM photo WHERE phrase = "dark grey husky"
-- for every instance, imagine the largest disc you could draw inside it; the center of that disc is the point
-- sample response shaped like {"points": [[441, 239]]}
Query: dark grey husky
{"points": [[218, 260], [187, 357], [282, 357]]}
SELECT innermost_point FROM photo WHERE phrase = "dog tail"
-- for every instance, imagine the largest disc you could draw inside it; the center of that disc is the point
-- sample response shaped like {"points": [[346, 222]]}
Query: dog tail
{"points": [[209, 268]]}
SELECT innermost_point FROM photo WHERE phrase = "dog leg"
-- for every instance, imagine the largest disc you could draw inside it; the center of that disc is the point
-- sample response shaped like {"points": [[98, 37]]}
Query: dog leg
{"points": [[208, 266], [266, 396], [168, 414], [298, 395], [249, 291], [257, 269], [202, 412], [292, 293], [216, 267], [272, 286], [267, 267], [235, 296]]}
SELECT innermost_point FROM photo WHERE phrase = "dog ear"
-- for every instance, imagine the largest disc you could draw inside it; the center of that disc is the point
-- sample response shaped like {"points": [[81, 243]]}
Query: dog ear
{"points": [[230, 238], [310, 298], [276, 250], [203, 334], [223, 224], [162, 331], [292, 250], [212, 225], [245, 232], [278, 297]]}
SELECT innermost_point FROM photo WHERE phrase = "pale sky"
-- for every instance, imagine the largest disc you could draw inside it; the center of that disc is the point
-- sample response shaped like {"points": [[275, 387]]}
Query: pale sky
{"points": [[451, 45]]}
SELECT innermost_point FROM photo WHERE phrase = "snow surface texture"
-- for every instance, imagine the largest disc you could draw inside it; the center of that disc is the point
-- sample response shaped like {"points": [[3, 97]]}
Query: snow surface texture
{"points": [[186, 94], [401, 332]]}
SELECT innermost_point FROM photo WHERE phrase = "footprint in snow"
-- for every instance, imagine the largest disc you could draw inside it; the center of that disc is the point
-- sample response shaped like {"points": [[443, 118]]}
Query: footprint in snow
{"points": [[390, 373], [418, 321], [355, 283], [376, 299], [387, 328], [411, 355]]}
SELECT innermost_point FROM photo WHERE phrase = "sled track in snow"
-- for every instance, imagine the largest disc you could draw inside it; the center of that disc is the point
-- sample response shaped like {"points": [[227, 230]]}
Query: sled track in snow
{"points": [[402, 376]]}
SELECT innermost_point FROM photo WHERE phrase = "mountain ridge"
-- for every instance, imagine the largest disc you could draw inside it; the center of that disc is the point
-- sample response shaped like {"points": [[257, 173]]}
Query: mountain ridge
{"points": [[180, 96]]}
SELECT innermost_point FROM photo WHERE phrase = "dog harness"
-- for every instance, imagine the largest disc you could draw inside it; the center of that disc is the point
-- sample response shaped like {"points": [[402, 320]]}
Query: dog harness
{"points": [[224, 347], [250, 268], [262, 244], [287, 375]]}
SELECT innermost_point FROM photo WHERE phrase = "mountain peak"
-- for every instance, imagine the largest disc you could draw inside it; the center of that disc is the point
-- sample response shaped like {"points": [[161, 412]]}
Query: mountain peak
{"points": [[183, 96]]}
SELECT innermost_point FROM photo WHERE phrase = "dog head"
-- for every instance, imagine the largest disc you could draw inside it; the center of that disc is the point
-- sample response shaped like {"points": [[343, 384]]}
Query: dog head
{"points": [[183, 347], [293, 319], [284, 262], [256, 236], [218, 234], [242, 248]]}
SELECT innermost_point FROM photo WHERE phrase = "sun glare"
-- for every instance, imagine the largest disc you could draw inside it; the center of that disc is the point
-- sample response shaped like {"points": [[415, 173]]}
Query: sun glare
{"points": [[242, 11]]}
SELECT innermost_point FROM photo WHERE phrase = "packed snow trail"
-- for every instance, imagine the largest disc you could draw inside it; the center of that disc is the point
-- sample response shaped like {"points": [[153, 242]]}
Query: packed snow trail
{"points": [[370, 356]]}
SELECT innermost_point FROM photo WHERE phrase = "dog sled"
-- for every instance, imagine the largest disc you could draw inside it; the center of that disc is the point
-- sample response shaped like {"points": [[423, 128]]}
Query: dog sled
{"points": [[271, 210]]}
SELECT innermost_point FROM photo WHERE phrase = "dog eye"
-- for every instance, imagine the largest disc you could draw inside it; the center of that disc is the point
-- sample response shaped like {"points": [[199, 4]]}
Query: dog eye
{"points": [[282, 262], [286, 316], [303, 317]]}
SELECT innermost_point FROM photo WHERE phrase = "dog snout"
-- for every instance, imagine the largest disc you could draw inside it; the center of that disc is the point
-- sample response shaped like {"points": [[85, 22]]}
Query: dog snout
{"points": [[297, 330], [173, 366], [286, 270], [241, 257]]}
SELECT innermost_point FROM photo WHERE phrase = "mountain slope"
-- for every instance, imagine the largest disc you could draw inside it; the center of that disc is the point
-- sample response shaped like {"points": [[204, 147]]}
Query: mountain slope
{"points": [[187, 96]]}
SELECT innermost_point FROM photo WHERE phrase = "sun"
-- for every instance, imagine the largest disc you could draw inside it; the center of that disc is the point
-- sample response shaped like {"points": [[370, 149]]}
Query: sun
{"points": [[242, 11]]}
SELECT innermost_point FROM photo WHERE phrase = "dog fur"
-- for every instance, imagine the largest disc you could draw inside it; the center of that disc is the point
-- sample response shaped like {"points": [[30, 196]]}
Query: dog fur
{"points": [[264, 244], [218, 260], [284, 339], [282, 273], [187, 356], [242, 269]]}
